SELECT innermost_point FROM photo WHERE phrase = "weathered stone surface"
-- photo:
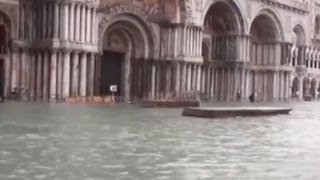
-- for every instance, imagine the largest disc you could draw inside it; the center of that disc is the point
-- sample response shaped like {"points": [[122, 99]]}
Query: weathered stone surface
{"points": [[221, 50]]}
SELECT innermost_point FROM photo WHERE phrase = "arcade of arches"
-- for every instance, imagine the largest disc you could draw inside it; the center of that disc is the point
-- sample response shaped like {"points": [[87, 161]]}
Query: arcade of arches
{"points": [[82, 48]]}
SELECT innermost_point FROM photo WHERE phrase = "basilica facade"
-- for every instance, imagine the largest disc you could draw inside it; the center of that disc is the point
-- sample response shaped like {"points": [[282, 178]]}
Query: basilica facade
{"points": [[221, 50]]}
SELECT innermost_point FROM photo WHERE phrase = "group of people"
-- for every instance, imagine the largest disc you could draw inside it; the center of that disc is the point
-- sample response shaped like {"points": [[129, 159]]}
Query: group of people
{"points": [[252, 97]]}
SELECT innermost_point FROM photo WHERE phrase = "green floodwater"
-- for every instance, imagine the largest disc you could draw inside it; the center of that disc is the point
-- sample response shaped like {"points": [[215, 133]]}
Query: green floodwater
{"points": [[75, 142]]}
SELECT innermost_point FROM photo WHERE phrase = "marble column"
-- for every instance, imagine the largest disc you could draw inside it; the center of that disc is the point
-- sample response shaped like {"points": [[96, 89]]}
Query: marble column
{"points": [[23, 69], [60, 56], [45, 75], [153, 81], [39, 75], [83, 75], [72, 21], [50, 20], [300, 95], [91, 74], [177, 78], [183, 77], [44, 20], [83, 23], [77, 23], [14, 70], [94, 28], [66, 75], [53, 76], [88, 24], [189, 74], [66, 21], [56, 21], [33, 76], [7, 74], [75, 74]]}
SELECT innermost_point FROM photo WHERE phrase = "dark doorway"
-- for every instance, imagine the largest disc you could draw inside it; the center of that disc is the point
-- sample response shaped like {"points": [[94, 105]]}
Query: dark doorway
{"points": [[111, 72], [1, 78]]}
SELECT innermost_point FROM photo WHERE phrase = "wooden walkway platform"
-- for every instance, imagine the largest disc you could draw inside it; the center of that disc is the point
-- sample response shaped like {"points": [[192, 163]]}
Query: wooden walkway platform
{"points": [[225, 112]]}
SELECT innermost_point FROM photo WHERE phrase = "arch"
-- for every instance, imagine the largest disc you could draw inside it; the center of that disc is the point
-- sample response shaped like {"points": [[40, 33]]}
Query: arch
{"points": [[228, 11], [129, 23], [267, 24], [299, 35]]}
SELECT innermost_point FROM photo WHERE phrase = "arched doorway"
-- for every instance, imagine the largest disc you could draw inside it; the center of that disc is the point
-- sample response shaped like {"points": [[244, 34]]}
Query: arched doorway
{"points": [[298, 36], [266, 33], [307, 88], [223, 26], [125, 45]]}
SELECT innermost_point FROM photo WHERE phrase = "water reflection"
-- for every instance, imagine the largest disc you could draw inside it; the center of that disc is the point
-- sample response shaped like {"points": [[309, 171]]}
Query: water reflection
{"points": [[57, 141]]}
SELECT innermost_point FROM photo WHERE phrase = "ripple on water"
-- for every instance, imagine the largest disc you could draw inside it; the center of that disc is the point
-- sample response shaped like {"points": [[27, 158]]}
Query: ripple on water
{"points": [[126, 142]]}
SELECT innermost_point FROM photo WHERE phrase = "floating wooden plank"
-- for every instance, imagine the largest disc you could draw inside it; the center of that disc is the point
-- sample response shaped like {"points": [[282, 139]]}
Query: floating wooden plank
{"points": [[224, 112]]}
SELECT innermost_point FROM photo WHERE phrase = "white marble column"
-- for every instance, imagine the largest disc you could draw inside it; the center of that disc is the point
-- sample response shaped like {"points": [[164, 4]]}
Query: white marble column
{"points": [[23, 59], [72, 22], [60, 62], [15, 69], [7, 75], [88, 24], [45, 75], [83, 23], [83, 75], [56, 20], [44, 20], [50, 19], [91, 74], [75, 74], [66, 75], [94, 28], [77, 23], [177, 78], [53, 76], [66, 21], [39, 75]]}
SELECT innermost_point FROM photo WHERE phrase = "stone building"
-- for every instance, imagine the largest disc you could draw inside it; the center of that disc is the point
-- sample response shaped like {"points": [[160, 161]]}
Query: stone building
{"points": [[160, 49]]}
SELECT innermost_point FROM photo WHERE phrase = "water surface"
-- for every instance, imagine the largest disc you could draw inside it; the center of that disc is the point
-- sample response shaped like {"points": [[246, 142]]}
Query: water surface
{"points": [[75, 142]]}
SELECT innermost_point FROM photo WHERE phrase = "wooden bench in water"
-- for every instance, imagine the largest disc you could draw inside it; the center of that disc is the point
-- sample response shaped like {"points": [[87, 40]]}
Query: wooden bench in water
{"points": [[224, 112]]}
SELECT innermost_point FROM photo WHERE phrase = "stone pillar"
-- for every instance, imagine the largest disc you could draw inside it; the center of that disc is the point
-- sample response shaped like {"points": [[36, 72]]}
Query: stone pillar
{"points": [[177, 79], [300, 96], [72, 22], [189, 74], [56, 21], [153, 81], [23, 69], [60, 56], [14, 70], [66, 75], [77, 24], [33, 76], [39, 75], [45, 75], [7, 75], [91, 74], [83, 75], [75, 74], [183, 77], [66, 21], [44, 20], [50, 19], [53, 76], [88, 24], [93, 25], [83, 23], [127, 77]]}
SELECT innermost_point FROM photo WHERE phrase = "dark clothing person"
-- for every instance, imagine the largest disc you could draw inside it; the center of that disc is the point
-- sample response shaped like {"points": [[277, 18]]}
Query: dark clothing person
{"points": [[251, 97]]}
